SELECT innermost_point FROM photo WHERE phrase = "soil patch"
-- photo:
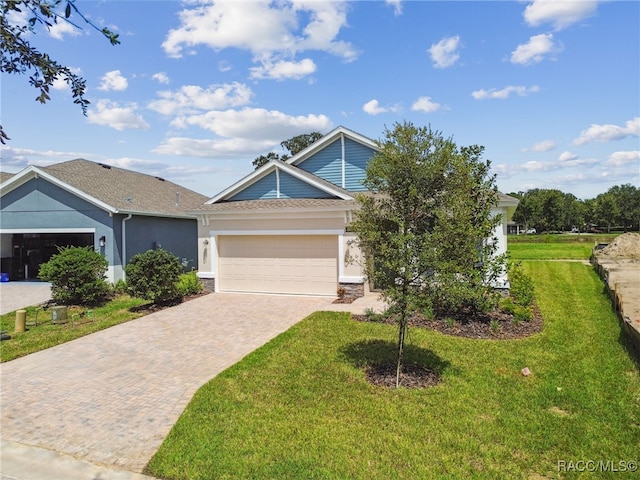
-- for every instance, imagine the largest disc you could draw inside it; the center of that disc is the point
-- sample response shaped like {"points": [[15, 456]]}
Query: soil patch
{"points": [[624, 246], [494, 325], [411, 376], [148, 308], [344, 300]]}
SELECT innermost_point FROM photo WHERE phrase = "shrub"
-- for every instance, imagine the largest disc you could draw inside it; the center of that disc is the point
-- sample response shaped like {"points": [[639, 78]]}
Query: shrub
{"points": [[522, 290], [189, 284], [522, 314], [121, 287], [153, 275], [507, 306], [77, 276]]}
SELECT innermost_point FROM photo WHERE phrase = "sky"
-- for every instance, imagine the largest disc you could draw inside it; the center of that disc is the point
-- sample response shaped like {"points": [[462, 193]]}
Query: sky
{"points": [[198, 89]]}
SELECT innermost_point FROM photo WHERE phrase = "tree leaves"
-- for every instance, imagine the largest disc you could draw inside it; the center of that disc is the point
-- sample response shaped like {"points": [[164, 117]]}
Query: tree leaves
{"points": [[17, 56]]}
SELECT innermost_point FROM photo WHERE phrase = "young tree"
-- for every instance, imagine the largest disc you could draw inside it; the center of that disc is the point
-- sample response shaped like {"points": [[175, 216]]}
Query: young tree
{"points": [[18, 56], [424, 225], [293, 145]]}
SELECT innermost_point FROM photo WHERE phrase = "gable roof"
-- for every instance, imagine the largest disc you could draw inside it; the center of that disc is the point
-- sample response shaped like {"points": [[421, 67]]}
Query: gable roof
{"points": [[114, 189], [329, 138], [289, 166], [273, 165]]}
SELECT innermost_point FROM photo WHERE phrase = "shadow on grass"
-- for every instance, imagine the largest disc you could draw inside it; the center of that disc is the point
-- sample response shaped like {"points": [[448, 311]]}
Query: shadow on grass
{"points": [[375, 352]]}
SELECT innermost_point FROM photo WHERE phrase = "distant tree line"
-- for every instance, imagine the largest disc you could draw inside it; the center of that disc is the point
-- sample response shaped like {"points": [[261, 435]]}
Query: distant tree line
{"points": [[549, 210]]}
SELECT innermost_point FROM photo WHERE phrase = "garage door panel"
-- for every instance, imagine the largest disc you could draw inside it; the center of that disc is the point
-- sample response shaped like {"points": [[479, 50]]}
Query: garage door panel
{"points": [[278, 264]]}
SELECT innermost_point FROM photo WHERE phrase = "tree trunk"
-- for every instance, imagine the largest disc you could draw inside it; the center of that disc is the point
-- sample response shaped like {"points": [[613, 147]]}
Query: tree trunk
{"points": [[401, 333]]}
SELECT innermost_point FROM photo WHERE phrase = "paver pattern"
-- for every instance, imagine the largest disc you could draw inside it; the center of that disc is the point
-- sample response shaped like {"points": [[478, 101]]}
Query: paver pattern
{"points": [[112, 397]]}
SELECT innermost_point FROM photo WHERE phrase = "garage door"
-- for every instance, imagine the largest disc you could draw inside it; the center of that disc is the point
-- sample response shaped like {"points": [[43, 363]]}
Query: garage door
{"points": [[302, 264]]}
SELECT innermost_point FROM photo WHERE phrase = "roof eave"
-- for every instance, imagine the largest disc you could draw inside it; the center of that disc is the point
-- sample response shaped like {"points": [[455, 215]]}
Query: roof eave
{"points": [[32, 172]]}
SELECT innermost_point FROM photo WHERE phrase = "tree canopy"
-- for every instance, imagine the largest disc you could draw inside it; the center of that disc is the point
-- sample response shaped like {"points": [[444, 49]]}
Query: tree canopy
{"points": [[552, 210], [426, 225], [18, 56], [293, 145]]}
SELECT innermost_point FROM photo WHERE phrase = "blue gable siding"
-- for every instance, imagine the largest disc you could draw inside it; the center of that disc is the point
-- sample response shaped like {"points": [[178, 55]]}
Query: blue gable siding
{"points": [[326, 164], [292, 187], [41, 204], [357, 157], [263, 189]]}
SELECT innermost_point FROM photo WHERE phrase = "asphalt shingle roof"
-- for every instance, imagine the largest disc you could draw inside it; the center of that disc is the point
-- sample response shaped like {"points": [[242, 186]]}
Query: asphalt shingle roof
{"points": [[4, 176], [276, 204], [126, 190]]}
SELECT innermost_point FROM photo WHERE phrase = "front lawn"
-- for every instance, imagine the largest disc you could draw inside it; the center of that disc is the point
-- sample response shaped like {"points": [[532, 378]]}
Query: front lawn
{"points": [[300, 407], [81, 322]]}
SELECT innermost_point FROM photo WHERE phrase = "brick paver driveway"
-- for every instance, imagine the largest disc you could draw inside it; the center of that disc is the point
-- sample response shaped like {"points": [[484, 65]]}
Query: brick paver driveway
{"points": [[113, 396]]}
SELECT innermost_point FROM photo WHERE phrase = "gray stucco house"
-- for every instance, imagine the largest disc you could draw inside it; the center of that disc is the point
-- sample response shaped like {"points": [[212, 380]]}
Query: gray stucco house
{"points": [[81, 203]]}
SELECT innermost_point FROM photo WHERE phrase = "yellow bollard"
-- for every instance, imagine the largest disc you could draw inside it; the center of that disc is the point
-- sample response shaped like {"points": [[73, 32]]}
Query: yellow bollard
{"points": [[21, 320]]}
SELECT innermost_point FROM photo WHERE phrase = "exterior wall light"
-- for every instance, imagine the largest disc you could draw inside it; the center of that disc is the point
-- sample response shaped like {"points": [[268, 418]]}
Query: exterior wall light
{"points": [[102, 241]]}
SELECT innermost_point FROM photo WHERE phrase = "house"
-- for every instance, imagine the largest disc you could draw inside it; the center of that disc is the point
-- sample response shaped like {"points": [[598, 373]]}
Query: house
{"points": [[81, 203], [284, 228]]}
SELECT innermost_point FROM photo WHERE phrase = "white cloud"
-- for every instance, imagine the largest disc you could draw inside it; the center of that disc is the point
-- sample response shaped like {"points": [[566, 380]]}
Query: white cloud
{"points": [[192, 98], [608, 133], [372, 107], [567, 156], [535, 50], [19, 158], [275, 32], [424, 104], [161, 77], [544, 146], [397, 6], [444, 53], [113, 81], [106, 112], [618, 159], [61, 28], [213, 148], [284, 69], [224, 66], [505, 92], [255, 123], [559, 13]]}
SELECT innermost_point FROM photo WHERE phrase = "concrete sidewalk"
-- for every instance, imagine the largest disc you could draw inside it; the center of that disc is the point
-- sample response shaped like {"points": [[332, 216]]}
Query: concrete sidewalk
{"points": [[108, 400]]}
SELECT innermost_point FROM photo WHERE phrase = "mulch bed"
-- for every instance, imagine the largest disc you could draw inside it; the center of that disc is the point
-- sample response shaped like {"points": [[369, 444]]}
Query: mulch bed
{"points": [[344, 300], [495, 325], [411, 376], [474, 326]]}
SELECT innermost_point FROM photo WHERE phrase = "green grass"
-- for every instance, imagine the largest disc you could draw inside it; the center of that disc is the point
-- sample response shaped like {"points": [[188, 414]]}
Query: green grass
{"points": [[550, 251], [81, 322], [587, 238], [300, 407]]}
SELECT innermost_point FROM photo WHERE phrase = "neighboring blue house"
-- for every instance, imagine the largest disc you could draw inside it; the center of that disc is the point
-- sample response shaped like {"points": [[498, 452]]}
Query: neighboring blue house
{"points": [[284, 228], [118, 212]]}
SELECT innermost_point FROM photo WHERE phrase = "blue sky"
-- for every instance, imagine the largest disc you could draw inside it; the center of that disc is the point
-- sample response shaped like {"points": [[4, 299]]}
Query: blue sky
{"points": [[197, 89]]}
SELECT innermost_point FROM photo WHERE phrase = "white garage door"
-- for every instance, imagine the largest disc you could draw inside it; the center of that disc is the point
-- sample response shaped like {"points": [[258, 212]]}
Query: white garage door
{"points": [[303, 264]]}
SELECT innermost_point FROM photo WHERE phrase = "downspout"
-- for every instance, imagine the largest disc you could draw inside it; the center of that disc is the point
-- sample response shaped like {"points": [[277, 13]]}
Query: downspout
{"points": [[124, 243]]}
